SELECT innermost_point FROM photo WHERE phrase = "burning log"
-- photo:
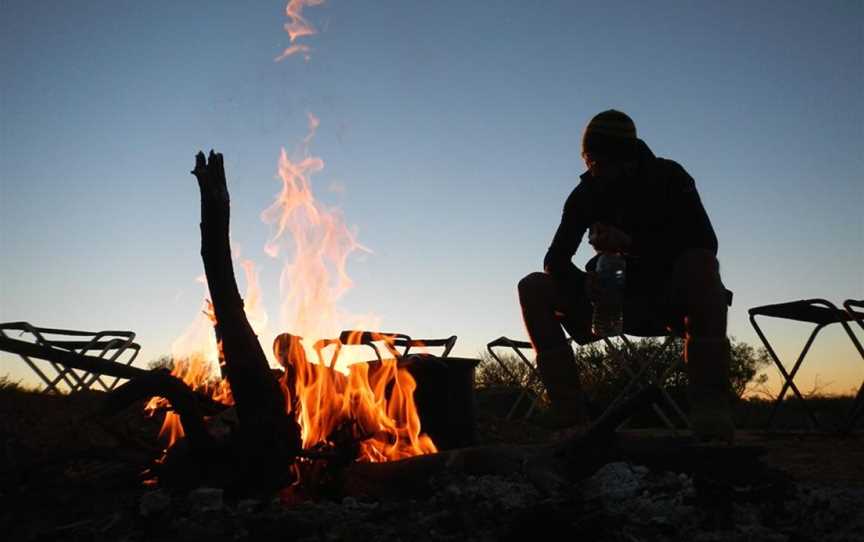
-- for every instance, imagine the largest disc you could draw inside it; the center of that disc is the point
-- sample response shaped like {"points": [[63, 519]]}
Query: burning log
{"points": [[268, 435], [183, 401]]}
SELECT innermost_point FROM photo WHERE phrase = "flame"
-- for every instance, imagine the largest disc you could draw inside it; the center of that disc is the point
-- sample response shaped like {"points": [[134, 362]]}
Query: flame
{"points": [[298, 27], [316, 243], [197, 356], [376, 401]]}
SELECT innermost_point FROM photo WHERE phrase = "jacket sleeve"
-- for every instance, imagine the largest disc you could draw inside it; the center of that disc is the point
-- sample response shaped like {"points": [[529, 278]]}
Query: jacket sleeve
{"points": [[687, 226], [574, 221]]}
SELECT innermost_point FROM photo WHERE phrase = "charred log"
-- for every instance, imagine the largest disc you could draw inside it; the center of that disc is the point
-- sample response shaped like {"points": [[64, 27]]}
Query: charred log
{"points": [[183, 401], [269, 436]]}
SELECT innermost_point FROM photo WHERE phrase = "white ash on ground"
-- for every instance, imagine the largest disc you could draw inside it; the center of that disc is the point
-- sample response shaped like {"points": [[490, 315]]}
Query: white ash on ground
{"points": [[620, 502]]}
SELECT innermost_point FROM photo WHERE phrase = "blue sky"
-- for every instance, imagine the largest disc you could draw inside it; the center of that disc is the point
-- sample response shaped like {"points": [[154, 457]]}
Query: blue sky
{"points": [[454, 129]]}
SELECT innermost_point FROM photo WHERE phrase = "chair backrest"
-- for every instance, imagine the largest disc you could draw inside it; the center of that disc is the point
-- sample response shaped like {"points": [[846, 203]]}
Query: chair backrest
{"points": [[111, 346], [392, 342]]}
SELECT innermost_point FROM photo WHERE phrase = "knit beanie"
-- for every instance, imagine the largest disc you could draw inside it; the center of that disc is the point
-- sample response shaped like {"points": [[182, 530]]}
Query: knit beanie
{"points": [[611, 135]]}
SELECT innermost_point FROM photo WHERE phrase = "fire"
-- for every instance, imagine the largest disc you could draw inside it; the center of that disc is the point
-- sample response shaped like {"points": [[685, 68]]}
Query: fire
{"points": [[334, 400], [317, 244], [298, 27], [377, 400]]}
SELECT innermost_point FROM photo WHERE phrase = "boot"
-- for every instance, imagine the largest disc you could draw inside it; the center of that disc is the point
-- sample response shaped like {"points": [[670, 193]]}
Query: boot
{"points": [[560, 376], [708, 389]]}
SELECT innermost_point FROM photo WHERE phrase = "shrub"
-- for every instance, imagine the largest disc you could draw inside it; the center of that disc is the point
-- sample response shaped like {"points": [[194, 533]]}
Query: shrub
{"points": [[603, 379]]}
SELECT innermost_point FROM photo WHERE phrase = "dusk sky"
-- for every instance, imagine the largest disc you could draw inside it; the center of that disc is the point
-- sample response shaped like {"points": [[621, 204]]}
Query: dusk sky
{"points": [[450, 133]]}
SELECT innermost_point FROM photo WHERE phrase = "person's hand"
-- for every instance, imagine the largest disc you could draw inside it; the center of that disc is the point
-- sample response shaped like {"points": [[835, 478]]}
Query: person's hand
{"points": [[606, 238]]}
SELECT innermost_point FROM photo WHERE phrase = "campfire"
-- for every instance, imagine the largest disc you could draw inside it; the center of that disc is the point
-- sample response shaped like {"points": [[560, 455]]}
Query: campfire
{"points": [[341, 405], [365, 407], [371, 406]]}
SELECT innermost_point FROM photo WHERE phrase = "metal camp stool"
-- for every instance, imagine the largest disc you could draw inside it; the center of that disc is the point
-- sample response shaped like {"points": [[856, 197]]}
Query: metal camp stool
{"points": [[638, 374], [525, 393], [821, 313], [111, 346]]}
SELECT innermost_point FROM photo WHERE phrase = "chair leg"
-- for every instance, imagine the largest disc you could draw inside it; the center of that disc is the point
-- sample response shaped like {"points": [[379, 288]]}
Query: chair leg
{"points": [[639, 376], [788, 376], [855, 412], [524, 391]]}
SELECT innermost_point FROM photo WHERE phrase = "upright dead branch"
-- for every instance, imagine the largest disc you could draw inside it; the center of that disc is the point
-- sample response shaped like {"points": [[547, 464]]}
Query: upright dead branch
{"points": [[269, 436]]}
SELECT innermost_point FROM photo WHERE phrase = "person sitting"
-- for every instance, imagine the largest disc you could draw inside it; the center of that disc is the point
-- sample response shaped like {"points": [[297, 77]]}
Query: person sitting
{"points": [[648, 209]]}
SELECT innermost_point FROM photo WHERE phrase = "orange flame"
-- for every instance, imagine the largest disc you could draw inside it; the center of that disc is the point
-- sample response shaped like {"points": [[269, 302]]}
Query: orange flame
{"points": [[379, 403], [318, 242], [298, 27], [377, 400], [196, 355]]}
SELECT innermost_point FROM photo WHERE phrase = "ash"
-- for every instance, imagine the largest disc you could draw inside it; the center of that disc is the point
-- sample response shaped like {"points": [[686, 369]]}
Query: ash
{"points": [[620, 502]]}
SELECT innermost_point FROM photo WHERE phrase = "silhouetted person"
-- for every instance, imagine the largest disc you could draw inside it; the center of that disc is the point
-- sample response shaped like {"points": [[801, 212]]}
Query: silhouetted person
{"points": [[647, 208]]}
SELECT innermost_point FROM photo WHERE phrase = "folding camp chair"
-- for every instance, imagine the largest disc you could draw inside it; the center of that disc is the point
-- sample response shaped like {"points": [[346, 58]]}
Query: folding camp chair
{"points": [[821, 313], [525, 393], [111, 346], [642, 373], [638, 374], [392, 342]]}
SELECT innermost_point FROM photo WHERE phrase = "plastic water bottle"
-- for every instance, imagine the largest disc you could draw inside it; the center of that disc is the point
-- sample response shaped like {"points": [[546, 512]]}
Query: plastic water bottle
{"points": [[608, 317]]}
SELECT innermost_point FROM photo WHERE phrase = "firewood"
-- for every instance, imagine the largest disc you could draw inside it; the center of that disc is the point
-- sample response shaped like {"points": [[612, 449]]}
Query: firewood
{"points": [[183, 401], [269, 436]]}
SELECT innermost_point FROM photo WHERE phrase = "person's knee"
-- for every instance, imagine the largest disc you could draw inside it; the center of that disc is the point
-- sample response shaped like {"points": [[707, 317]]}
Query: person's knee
{"points": [[535, 286], [701, 293]]}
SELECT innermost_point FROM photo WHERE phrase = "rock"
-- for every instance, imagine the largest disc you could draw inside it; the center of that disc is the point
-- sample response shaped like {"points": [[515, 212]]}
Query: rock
{"points": [[205, 499], [153, 503], [614, 482], [248, 506]]}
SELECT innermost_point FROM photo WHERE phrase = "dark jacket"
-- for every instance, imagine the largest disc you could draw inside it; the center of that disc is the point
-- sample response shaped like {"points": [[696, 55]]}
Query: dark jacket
{"points": [[659, 208]]}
